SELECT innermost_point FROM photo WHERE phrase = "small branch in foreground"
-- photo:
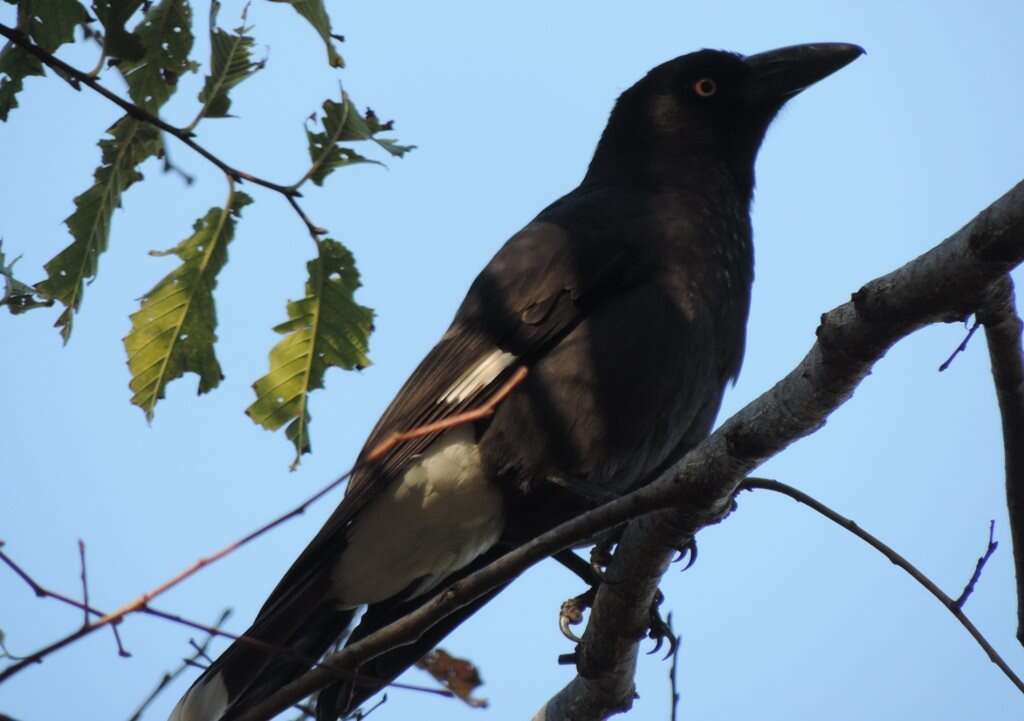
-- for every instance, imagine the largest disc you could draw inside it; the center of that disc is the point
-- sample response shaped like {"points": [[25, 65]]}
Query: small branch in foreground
{"points": [[1003, 335], [672, 670], [960, 348], [85, 583], [978, 567], [951, 604], [74, 77], [165, 680]]}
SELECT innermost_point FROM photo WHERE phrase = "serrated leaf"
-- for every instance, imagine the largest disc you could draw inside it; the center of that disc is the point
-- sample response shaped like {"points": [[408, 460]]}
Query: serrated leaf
{"points": [[174, 330], [326, 328], [342, 122], [316, 14], [117, 41], [18, 297], [15, 65], [230, 63], [53, 22], [131, 142], [166, 37]]}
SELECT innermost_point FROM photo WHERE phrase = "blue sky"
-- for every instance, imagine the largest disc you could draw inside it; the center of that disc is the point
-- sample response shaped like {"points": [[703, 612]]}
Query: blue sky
{"points": [[784, 616]]}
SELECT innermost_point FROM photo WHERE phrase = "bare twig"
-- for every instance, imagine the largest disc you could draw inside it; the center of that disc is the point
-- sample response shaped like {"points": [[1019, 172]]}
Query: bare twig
{"points": [[165, 680], [953, 605], [978, 567], [70, 74], [673, 669], [960, 348], [85, 583], [1003, 335]]}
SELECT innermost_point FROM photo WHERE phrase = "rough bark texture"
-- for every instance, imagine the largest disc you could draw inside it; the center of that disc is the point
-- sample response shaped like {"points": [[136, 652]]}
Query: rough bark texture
{"points": [[1003, 334], [947, 283]]}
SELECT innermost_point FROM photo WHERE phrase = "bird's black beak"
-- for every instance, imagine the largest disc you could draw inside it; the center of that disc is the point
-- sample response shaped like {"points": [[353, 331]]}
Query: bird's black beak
{"points": [[780, 74]]}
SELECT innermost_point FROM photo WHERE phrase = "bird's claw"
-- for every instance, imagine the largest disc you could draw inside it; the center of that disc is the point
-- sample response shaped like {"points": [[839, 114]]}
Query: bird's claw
{"points": [[659, 631], [571, 613], [687, 550]]}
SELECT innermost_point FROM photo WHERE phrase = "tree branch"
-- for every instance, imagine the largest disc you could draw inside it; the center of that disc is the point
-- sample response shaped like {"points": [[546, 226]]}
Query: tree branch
{"points": [[1003, 335], [74, 77], [953, 605], [946, 283]]}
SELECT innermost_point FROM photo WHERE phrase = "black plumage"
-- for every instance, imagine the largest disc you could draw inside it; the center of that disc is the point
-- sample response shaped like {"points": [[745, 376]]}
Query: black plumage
{"points": [[626, 301]]}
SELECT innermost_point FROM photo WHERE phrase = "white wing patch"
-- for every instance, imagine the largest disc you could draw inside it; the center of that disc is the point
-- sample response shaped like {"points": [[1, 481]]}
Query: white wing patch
{"points": [[478, 376]]}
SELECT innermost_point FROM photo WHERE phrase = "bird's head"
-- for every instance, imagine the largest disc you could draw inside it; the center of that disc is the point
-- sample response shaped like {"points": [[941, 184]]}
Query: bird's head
{"points": [[709, 106]]}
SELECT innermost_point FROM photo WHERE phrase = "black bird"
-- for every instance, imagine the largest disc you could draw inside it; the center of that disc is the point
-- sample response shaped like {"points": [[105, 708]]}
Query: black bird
{"points": [[625, 302]]}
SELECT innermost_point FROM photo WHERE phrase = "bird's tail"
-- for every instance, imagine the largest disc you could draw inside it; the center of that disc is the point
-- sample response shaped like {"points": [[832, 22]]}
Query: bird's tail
{"points": [[273, 652]]}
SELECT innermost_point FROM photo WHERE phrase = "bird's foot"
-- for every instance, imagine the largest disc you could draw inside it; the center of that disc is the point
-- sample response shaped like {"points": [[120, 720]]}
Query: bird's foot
{"points": [[688, 551], [600, 557], [659, 631], [571, 612]]}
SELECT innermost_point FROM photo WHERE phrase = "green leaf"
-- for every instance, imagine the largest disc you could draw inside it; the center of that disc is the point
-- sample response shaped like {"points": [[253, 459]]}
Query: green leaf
{"points": [[326, 328], [315, 12], [117, 41], [16, 64], [230, 63], [53, 22], [173, 331], [131, 142], [342, 122], [166, 37], [18, 297]]}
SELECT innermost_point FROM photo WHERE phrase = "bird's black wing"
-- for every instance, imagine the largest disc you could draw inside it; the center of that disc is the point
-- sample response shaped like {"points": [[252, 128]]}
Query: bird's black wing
{"points": [[535, 290]]}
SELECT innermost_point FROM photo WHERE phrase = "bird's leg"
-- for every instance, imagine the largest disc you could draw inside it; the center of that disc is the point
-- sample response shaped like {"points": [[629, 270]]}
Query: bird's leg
{"points": [[659, 630]]}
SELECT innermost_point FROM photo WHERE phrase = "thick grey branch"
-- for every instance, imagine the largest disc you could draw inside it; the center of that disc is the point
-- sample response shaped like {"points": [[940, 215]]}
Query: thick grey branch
{"points": [[946, 283], [1003, 334]]}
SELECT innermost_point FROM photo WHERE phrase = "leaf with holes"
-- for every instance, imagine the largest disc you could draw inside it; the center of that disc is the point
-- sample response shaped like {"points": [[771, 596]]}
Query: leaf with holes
{"points": [[118, 43], [18, 297], [230, 63], [315, 12], [342, 122], [326, 328], [15, 65], [53, 22], [50, 24], [174, 330], [165, 34], [130, 143]]}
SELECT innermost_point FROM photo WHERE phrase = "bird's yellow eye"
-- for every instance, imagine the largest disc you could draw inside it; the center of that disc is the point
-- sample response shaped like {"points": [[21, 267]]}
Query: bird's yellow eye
{"points": [[705, 87]]}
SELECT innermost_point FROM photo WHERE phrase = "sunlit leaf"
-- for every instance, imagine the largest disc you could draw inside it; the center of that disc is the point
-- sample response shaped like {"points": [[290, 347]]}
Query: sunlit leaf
{"points": [[166, 37], [18, 297], [174, 330], [230, 63], [130, 143], [342, 122], [53, 22], [118, 42], [316, 13], [326, 328], [15, 65]]}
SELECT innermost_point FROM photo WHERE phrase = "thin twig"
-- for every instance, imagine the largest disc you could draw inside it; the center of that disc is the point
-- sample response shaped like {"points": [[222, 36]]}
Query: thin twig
{"points": [[85, 583], [979, 566], [165, 680], [960, 348], [141, 603], [672, 670], [70, 73], [484, 411], [898, 560]]}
